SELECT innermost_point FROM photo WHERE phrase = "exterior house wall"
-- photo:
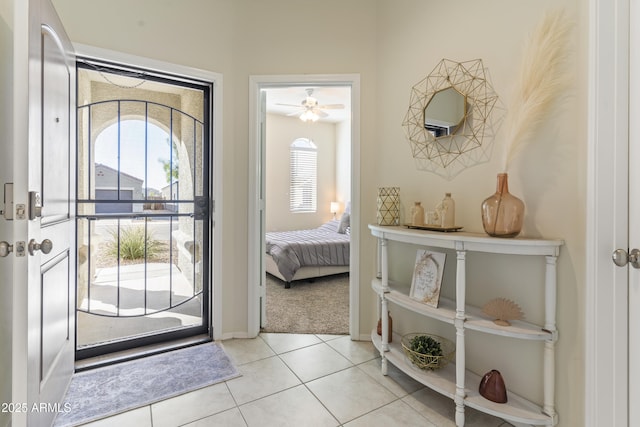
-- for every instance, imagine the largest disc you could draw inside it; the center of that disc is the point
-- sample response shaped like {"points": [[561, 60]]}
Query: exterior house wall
{"points": [[391, 44], [171, 192], [106, 178]]}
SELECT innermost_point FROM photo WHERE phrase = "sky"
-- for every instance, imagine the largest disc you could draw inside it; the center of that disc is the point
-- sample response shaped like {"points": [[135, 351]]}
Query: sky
{"points": [[132, 151]]}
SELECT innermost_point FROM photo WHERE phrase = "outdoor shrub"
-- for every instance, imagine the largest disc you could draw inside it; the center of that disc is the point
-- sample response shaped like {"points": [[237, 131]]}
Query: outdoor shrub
{"points": [[132, 243]]}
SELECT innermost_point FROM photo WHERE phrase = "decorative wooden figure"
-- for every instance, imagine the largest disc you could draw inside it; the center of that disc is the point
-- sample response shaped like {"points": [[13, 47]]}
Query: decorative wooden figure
{"points": [[492, 387], [502, 310]]}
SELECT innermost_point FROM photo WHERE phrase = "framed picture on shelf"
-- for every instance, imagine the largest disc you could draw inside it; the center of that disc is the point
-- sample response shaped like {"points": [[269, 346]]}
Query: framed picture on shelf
{"points": [[427, 277]]}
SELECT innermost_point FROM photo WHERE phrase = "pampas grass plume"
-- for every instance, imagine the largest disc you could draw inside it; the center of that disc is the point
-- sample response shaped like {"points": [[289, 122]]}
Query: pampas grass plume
{"points": [[542, 81]]}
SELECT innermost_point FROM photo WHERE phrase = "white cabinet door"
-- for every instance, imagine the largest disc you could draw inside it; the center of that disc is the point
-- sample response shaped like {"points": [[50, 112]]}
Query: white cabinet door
{"points": [[634, 215], [607, 348]]}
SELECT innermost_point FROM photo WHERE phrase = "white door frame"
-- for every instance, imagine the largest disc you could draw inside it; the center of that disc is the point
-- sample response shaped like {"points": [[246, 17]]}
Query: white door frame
{"points": [[6, 227], [19, 341], [216, 155], [256, 205], [20, 299], [606, 351]]}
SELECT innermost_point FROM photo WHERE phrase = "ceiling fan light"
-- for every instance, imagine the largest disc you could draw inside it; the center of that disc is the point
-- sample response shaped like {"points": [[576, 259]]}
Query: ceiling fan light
{"points": [[309, 116]]}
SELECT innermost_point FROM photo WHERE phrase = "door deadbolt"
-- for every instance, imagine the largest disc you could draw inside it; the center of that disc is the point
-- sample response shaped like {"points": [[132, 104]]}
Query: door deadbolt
{"points": [[35, 205], [621, 257], [45, 246]]}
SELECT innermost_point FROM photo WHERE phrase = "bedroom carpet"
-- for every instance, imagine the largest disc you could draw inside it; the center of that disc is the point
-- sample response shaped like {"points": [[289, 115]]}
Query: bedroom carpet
{"points": [[320, 306], [116, 388]]}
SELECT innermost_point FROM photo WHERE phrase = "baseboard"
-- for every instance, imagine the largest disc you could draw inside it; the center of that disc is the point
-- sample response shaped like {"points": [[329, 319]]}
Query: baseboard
{"points": [[245, 335], [365, 337], [232, 335]]}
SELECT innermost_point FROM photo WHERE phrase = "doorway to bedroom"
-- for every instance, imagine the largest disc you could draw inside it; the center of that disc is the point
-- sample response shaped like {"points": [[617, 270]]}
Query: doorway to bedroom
{"points": [[305, 152]]}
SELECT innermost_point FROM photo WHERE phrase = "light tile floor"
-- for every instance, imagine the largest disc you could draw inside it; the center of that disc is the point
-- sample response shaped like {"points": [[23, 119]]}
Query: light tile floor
{"points": [[304, 380]]}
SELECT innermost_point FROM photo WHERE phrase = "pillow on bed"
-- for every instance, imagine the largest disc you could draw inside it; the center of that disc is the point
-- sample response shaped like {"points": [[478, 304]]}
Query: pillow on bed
{"points": [[344, 223]]}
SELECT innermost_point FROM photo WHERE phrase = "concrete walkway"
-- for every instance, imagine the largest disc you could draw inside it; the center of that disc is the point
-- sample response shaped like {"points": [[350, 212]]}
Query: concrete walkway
{"points": [[157, 287]]}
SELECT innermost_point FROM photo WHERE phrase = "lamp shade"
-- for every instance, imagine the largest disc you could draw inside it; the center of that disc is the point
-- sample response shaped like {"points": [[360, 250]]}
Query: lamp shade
{"points": [[334, 207]]}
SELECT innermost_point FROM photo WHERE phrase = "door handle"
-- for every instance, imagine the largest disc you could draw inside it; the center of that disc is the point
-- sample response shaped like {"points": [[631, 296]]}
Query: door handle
{"points": [[621, 257], [5, 249], [45, 246]]}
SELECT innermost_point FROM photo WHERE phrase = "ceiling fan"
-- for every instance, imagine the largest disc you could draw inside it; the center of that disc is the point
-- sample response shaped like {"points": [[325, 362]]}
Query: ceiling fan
{"points": [[310, 110]]}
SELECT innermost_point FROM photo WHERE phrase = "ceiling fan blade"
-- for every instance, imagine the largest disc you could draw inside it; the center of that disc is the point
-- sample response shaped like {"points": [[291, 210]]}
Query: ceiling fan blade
{"points": [[295, 113], [331, 106], [290, 105], [320, 113]]}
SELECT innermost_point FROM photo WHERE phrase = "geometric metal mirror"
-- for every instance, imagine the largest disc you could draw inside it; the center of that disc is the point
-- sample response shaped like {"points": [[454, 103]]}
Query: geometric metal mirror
{"points": [[448, 123]]}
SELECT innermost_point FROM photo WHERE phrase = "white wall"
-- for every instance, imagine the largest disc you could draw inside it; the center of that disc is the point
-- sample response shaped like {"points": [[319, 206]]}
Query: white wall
{"points": [[392, 44], [343, 164], [6, 171], [549, 175], [281, 132]]}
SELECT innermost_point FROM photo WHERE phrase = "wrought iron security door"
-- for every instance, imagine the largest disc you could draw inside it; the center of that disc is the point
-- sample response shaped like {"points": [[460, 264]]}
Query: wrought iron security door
{"points": [[143, 205]]}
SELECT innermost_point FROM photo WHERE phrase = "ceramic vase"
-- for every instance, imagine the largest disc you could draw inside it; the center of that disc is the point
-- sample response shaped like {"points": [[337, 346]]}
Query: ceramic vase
{"points": [[448, 212], [502, 213], [417, 214]]}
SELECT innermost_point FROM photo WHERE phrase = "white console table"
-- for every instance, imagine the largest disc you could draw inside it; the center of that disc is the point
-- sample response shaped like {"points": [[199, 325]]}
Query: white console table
{"points": [[454, 380]]}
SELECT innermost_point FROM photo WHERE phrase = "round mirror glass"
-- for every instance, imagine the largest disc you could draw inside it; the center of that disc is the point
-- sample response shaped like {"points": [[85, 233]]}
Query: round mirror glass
{"points": [[445, 112]]}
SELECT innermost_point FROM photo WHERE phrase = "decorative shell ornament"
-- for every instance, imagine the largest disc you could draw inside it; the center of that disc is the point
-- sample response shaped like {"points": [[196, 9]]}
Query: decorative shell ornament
{"points": [[503, 310]]}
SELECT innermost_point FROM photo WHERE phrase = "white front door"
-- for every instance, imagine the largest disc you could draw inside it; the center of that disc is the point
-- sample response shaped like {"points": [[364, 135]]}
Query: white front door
{"points": [[44, 178]]}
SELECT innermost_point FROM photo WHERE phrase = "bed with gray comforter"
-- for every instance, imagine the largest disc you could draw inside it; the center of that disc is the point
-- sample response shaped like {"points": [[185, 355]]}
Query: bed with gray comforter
{"points": [[327, 245]]}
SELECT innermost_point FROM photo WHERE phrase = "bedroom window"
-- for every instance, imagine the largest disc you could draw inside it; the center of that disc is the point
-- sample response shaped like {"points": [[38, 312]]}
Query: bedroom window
{"points": [[303, 176]]}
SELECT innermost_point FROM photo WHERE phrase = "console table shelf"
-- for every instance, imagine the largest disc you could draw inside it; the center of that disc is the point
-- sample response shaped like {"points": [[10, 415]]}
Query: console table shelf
{"points": [[454, 380], [443, 381], [475, 318]]}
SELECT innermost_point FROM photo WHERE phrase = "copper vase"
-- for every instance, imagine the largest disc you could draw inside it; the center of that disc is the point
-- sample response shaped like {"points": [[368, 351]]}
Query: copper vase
{"points": [[502, 213], [390, 327]]}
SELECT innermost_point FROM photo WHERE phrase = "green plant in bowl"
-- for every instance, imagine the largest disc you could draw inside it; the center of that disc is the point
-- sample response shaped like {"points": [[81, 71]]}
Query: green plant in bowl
{"points": [[424, 344], [427, 351]]}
